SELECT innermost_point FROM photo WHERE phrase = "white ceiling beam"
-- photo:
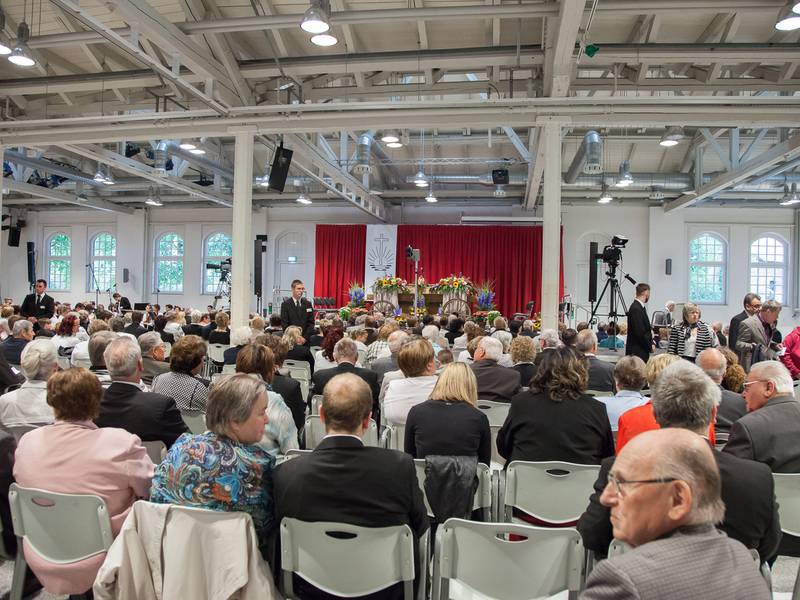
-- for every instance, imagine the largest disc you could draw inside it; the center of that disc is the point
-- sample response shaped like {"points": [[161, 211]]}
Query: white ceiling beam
{"points": [[711, 140], [782, 152], [561, 35], [64, 198], [535, 170], [274, 36], [518, 143]]}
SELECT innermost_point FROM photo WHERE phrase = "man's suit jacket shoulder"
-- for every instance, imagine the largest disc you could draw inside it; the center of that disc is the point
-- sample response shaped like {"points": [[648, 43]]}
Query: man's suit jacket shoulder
{"points": [[769, 435]]}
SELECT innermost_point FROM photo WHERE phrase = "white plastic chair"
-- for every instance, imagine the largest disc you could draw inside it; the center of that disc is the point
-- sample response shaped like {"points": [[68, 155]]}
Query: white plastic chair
{"points": [[315, 431], [196, 422], [483, 495], [228, 369], [393, 436], [617, 548], [61, 528], [298, 369], [216, 352], [484, 558], [315, 349], [357, 562], [64, 363], [316, 402], [167, 349], [156, 450], [496, 412], [554, 492]]}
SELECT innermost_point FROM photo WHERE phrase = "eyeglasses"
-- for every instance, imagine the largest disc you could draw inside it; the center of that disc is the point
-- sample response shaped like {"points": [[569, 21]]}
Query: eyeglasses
{"points": [[748, 383], [618, 483]]}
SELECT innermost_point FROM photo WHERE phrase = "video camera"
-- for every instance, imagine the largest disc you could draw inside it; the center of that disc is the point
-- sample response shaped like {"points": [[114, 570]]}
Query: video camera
{"points": [[613, 252], [224, 265]]}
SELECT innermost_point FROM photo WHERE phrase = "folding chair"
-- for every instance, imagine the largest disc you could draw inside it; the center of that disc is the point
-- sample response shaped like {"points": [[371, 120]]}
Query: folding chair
{"points": [[298, 369], [316, 402], [496, 412], [156, 450], [61, 528], [216, 352], [228, 369], [196, 422], [393, 436], [315, 431], [553, 492], [483, 558], [483, 495], [348, 560]]}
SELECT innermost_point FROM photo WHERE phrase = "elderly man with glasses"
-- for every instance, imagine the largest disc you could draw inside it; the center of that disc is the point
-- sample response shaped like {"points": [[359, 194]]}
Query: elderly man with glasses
{"points": [[664, 496]]}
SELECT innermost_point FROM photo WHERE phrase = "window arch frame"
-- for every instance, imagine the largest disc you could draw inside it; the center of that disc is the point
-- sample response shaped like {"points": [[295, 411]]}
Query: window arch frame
{"points": [[108, 276], [159, 258], [209, 258], [721, 264], [782, 266], [55, 258]]}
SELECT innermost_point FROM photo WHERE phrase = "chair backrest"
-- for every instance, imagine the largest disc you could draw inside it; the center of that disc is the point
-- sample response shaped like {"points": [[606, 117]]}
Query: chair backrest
{"points": [[787, 493], [555, 492], [229, 369], [167, 349], [83, 363], [216, 352], [315, 431], [298, 369], [492, 560], [196, 422], [483, 495], [316, 402], [496, 412], [315, 349], [19, 430], [394, 436], [303, 388], [61, 528], [347, 560], [156, 450], [64, 362], [616, 548]]}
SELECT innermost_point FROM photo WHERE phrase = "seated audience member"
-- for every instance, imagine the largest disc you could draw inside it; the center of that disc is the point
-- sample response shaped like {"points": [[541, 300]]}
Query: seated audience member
{"points": [[523, 353], [153, 350], [495, 382], [735, 376], [732, 407], [125, 405], [68, 333], [527, 329], [662, 339], [431, 333], [346, 355], [514, 327], [117, 325], [639, 419], [468, 355], [612, 338], [499, 324], [601, 331], [370, 326], [471, 331], [45, 328], [556, 419], [418, 364], [182, 383], [548, 340], [196, 326], [449, 423], [569, 337], [80, 352], [684, 397], [601, 373], [444, 357], [210, 325], [288, 388], [280, 433], [73, 456], [257, 325], [629, 379], [239, 338], [158, 326], [173, 325], [97, 347], [295, 343], [21, 334], [275, 324], [220, 335], [691, 336], [389, 363], [223, 468], [323, 359], [664, 498], [318, 336], [769, 431], [581, 326], [790, 358], [28, 405], [135, 328], [360, 336], [717, 329], [380, 347], [9, 375], [455, 329], [505, 338], [344, 481]]}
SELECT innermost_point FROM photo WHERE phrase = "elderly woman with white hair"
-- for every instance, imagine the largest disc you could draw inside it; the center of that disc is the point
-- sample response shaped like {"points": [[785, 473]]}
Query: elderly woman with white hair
{"points": [[295, 344], [240, 337], [28, 404], [174, 324], [431, 333]]}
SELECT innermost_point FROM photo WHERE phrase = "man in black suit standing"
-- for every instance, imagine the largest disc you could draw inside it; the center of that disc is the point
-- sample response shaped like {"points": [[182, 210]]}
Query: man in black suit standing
{"points": [[38, 305], [344, 481], [601, 373], [298, 310], [752, 306], [120, 304], [640, 333], [345, 353], [128, 406]]}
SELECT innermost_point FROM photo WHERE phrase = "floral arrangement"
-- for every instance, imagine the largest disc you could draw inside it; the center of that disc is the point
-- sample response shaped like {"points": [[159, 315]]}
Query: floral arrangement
{"points": [[453, 284], [356, 294], [485, 296], [421, 301], [344, 313], [348, 312], [492, 315], [479, 316], [390, 283], [419, 311]]}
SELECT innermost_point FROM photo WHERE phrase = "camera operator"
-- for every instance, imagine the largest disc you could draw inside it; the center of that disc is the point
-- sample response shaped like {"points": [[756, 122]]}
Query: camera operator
{"points": [[640, 334]]}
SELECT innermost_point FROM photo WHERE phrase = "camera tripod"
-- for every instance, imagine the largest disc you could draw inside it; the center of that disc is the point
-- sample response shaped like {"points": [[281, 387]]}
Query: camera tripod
{"points": [[223, 288], [612, 286]]}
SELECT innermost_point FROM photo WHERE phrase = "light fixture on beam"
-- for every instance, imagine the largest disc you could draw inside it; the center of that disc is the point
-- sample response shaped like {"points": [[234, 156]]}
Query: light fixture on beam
{"points": [[153, 198], [98, 176], [187, 145], [324, 40], [317, 17], [790, 199], [672, 136], [431, 197], [788, 18], [109, 178], [605, 196], [796, 8], [625, 177], [21, 55], [390, 137], [303, 199], [420, 180], [263, 181], [197, 151], [4, 49]]}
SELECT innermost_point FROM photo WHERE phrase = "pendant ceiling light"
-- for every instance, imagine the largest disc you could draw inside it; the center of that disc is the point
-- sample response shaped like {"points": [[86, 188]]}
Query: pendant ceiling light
{"points": [[21, 55]]}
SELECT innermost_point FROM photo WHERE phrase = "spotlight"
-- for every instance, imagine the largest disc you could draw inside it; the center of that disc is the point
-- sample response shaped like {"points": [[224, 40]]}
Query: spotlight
{"points": [[109, 180], [431, 198], [264, 181], [390, 137], [303, 199], [315, 19], [790, 199], [99, 177], [625, 177], [605, 196], [420, 180], [197, 151], [796, 8], [394, 144], [671, 137], [324, 39], [788, 19]]}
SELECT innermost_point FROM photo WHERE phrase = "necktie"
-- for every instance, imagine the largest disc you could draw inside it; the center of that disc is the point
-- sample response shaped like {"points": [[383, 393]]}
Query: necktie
{"points": [[38, 298], [297, 303]]}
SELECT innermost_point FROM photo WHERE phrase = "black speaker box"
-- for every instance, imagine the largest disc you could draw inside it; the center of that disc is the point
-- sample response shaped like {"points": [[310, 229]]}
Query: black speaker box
{"points": [[592, 271], [668, 266], [31, 261], [280, 169], [500, 176], [13, 236], [126, 275]]}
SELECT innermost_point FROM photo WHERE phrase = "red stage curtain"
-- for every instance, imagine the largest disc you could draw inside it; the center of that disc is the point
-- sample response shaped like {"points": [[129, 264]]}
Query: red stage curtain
{"points": [[509, 256], [340, 255]]}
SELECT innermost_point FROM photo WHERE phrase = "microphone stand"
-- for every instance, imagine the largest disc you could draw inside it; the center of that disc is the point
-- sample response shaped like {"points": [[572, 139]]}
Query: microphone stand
{"points": [[94, 283], [158, 291]]}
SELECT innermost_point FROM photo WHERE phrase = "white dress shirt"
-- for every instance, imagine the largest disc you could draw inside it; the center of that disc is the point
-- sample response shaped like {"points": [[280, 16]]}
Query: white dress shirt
{"points": [[403, 394], [26, 405]]}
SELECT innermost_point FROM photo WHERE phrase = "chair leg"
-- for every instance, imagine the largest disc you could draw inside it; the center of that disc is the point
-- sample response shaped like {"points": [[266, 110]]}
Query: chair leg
{"points": [[18, 579], [796, 590]]}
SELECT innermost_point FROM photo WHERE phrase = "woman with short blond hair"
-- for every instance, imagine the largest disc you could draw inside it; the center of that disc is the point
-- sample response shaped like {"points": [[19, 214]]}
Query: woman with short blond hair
{"points": [[418, 363]]}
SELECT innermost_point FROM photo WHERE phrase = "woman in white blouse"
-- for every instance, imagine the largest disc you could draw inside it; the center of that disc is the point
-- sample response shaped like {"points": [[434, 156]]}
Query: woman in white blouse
{"points": [[69, 332], [28, 405], [418, 363]]}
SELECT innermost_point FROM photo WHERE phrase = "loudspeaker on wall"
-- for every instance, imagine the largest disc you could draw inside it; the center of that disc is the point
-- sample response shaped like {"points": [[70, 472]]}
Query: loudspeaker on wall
{"points": [[126, 275], [668, 266]]}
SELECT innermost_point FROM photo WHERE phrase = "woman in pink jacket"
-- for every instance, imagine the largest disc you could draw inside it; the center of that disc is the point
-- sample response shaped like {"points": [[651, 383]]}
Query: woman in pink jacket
{"points": [[791, 356]]}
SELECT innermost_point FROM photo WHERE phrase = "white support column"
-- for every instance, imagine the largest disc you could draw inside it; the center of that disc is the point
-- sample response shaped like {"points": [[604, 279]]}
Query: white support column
{"points": [[551, 239], [242, 256], [2, 153]]}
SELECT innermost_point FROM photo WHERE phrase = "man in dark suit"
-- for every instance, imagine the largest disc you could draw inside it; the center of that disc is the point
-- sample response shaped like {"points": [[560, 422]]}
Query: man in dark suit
{"points": [[752, 305], [127, 406], [495, 382], [732, 407], [640, 333], [135, 328], [298, 311], [120, 304], [344, 481], [684, 397], [38, 304], [754, 341], [601, 373], [382, 366], [13, 346], [345, 353], [153, 350]]}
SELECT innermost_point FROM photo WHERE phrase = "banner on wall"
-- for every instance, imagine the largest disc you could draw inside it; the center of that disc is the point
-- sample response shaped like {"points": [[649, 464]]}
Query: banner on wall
{"points": [[381, 255]]}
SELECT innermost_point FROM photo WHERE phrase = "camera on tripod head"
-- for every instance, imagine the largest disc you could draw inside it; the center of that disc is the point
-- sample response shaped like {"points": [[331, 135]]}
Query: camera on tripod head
{"points": [[223, 266], [613, 252]]}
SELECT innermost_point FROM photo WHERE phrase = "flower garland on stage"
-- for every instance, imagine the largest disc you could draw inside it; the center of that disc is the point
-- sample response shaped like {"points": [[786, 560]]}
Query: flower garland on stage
{"points": [[390, 283], [453, 285]]}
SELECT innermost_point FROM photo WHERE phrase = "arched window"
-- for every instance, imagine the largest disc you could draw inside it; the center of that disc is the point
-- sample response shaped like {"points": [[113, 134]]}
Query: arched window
{"points": [[103, 258], [768, 267], [59, 263], [169, 263], [217, 248], [707, 268]]}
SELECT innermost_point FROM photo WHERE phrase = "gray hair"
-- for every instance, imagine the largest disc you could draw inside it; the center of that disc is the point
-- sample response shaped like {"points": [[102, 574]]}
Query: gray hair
{"points": [[117, 324], [122, 357], [505, 338], [197, 316], [586, 340], [39, 359], [22, 326], [684, 396], [430, 333], [492, 347], [346, 349], [241, 335], [713, 363], [98, 343], [148, 342], [231, 400], [772, 370], [396, 340], [171, 315], [550, 338], [527, 325], [771, 306], [690, 307]]}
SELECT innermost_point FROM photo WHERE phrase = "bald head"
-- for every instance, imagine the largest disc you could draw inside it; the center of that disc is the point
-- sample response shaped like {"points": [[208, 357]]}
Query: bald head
{"points": [[346, 405], [713, 363]]}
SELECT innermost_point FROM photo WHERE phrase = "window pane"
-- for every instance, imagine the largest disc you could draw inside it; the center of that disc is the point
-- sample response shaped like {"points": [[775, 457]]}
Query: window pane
{"points": [[211, 280], [706, 283], [219, 244], [170, 244], [60, 245], [706, 248], [104, 244], [170, 275], [105, 273], [767, 282], [58, 274], [767, 250]]}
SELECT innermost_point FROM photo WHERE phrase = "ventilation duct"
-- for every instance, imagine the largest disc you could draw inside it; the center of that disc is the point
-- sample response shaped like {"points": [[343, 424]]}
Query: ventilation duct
{"points": [[588, 159], [363, 153], [160, 159]]}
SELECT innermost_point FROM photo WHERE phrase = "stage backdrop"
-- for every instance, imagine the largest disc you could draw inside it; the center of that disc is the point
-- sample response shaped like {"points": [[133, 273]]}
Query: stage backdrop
{"points": [[340, 256], [509, 256]]}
